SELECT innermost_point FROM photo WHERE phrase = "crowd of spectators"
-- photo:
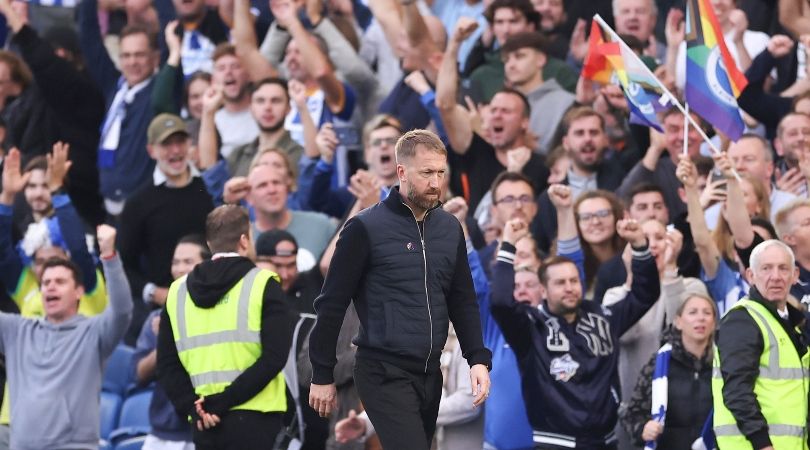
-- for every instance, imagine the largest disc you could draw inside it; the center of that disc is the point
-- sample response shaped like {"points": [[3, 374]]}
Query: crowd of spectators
{"points": [[146, 115]]}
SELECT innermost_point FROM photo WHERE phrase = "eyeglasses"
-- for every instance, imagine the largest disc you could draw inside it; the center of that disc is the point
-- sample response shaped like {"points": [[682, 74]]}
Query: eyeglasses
{"points": [[601, 214], [524, 199], [380, 141]]}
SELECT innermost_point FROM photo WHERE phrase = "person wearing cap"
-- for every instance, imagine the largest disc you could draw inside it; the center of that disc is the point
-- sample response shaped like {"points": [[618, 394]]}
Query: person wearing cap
{"points": [[159, 214], [223, 341], [280, 249]]}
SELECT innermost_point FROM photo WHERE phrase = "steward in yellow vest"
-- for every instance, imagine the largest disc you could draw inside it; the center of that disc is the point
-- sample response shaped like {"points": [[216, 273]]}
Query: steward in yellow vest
{"points": [[761, 366], [223, 340]]}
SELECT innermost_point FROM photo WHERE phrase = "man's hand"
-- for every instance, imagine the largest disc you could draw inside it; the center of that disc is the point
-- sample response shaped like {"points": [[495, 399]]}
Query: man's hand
{"points": [[212, 99], [235, 190], [675, 28], [579, 42], [13, 180], [173, 42], [674, 241], [206, 420], [323, 398], [561, 196], [416, 80], [106, 241], [513, 231], [517, 158], [458, 207], [349, 429], [630, 231], [365, 186], [58, 165], [739, 23], [465, 27], [791, 180], [479, 379], [687, 173], [715, 192], [723, 164], [327, 141], [585, 93], [285, 12], [298, 93], [780, 45]]}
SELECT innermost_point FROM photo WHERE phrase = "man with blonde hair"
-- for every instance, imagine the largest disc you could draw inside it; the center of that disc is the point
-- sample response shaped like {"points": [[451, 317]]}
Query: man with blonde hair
{"points": [[793, 226], [403, 262]]}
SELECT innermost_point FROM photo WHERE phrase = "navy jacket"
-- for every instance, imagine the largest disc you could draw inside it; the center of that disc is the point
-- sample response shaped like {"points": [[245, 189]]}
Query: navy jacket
{"points": [[405, 285], [569, 370], [133, 166]]}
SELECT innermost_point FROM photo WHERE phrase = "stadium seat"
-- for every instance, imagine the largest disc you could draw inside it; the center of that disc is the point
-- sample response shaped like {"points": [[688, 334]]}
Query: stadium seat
{"points": [[110, 408], [134, 417], [135, 443], [118, 372]]}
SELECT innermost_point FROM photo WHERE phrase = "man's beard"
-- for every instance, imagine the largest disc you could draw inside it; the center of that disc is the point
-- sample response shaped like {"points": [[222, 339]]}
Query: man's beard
{"points": [[272, 128], [421, 200]]}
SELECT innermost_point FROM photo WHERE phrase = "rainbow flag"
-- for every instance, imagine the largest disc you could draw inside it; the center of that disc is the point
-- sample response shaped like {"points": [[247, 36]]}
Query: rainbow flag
{"points": [[609, 60], [713, 81]]}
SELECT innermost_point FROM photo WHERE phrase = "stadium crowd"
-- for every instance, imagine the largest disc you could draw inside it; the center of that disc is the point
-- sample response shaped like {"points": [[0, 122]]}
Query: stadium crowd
{"points": [[634, 285]]}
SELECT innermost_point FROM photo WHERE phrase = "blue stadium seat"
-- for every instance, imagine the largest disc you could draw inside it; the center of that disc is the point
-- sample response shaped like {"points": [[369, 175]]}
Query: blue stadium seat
{"points": [[118, 372], [110, 408], [135, 443], [134, 417]]}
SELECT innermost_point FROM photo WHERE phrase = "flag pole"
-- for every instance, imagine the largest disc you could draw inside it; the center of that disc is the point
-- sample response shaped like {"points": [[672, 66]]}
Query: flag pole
{"points": [[671, 98], [686, 130]]}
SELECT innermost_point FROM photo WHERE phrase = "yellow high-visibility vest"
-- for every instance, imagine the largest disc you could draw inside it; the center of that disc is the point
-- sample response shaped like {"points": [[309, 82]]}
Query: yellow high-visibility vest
{"points": [[781, 388], [216, 345]]}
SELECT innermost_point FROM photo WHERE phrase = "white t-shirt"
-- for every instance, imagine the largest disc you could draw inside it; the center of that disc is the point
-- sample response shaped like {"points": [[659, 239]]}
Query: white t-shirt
{"points": [[235, 129]]}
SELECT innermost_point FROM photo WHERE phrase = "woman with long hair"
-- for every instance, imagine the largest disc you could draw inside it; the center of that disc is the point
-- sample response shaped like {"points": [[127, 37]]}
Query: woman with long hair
{"points": [[586, 230]]}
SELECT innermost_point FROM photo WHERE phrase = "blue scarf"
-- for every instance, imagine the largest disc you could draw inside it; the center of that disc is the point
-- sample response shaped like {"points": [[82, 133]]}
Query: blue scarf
{"points": [[660, 386]]}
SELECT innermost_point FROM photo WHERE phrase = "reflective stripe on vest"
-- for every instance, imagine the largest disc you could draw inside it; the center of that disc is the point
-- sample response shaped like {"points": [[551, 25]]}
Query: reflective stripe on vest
{"points": [[215, 345], [781, 388], [240, 334]]}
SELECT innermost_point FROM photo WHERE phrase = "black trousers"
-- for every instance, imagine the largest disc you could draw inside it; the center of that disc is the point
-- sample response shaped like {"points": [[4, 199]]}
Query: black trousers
{"points": [[402, 405], [241, 430]]}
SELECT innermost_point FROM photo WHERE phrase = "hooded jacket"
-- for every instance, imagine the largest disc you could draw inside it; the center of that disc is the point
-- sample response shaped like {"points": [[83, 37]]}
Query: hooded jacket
{"points": [[207, 284]]}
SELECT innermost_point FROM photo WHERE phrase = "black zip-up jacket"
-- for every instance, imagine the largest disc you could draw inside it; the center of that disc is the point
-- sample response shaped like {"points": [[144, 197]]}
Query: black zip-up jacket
{"points": [[689, 396], [569, 371], [207, 284], [740, 345], [405, 285]]}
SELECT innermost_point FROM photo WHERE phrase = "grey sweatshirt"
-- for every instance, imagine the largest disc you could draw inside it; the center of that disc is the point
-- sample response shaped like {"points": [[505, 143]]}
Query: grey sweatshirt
{"points": [[54, 371]]}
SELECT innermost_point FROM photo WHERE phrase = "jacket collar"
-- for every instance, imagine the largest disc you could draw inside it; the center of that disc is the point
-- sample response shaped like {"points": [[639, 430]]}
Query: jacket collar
{"points": [[795, 317], [397, 203]]}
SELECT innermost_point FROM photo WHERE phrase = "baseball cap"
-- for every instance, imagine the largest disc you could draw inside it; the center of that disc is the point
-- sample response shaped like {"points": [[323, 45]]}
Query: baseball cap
{"points": [[267, 243], [163, 126]]}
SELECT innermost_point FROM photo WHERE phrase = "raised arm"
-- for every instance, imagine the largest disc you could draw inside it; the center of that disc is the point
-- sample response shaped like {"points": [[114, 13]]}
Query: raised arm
{"points": [[91, 41], [793, 16], [456, 121], [11, 266], [113, 322], [207, 141], [707, 250], [244, 37], [568, 243], [739, 222], [315, 62], [69, 222], [165, 85]]}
